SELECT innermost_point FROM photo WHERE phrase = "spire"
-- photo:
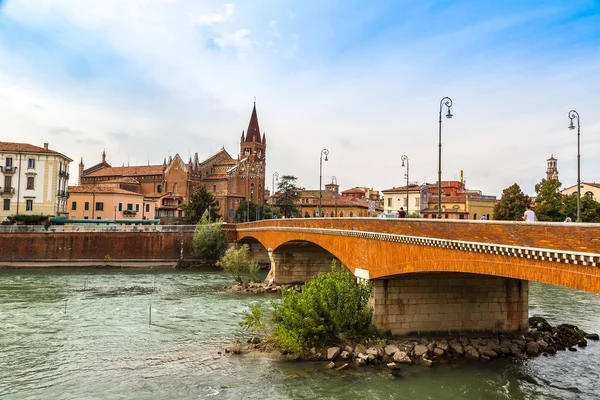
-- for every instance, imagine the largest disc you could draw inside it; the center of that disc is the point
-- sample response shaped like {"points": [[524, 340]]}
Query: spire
{"points": [[81, 163], [253, 132], [264, 139], [243, 140], [165, 162], [103, 155]]}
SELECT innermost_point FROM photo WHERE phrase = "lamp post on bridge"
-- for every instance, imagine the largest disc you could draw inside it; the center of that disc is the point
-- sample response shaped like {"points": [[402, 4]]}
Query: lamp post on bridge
{"points": [[275, 178], [334, 179], [446, 101], [575, 115], [326, 152], [405, 158]]}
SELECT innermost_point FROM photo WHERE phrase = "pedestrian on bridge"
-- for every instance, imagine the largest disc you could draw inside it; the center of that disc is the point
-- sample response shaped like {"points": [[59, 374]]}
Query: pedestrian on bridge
{"points": [[401, 213], [529, 215]]}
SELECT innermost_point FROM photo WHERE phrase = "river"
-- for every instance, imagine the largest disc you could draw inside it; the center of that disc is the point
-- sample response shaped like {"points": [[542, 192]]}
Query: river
{"points": [[85, 334]]}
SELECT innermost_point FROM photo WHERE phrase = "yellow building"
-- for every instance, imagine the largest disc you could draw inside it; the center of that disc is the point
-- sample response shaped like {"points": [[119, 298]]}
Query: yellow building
{"points": [[33, 180], [109, 203], [590, 190]]}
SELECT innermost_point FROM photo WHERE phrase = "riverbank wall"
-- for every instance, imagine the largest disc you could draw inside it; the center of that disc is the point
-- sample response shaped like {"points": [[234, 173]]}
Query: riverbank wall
{"points": [[96, 248]]}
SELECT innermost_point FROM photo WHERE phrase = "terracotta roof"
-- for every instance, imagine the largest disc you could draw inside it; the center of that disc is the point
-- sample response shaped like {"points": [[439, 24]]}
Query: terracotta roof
{"points": [[27, 148], [594, 184], [154, 195], [140, 170], [100, 189], [403, 188], [227, 162]]}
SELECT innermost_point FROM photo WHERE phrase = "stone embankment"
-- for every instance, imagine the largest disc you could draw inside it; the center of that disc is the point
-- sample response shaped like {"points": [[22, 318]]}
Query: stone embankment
{"points": [[541, 339], [260, 287]]}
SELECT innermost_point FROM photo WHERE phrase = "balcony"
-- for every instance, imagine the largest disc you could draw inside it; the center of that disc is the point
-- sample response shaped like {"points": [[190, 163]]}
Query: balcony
{"points": [[8, 169], [63, 174], [129, 213], [7, 191], [61, 193]]}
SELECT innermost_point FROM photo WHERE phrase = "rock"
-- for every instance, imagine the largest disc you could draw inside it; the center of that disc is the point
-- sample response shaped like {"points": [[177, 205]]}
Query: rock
{"points": [[341, 367], [498, 349], [392, 365], [333, 352], [344, 355], [419, 350], [592, 336], [582, 343], [402, 357], [359, 349], [371, 358], [442, 345], [540, 324], [349, 349], [550, 349], [254, 340], [424, 361], [532, 349], [486, 351], [519, 342], [516, 350], [391, 349], [430, 347], [360, 361], [471, 353], [377, 352], [457, 348], [331, 365], [572, 349], [542, 344], [485, 359], [438, 352], [505, 350]]}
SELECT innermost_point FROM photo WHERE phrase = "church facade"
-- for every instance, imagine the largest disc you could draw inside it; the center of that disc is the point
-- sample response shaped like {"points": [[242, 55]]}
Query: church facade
{"points": [[230, 180]]}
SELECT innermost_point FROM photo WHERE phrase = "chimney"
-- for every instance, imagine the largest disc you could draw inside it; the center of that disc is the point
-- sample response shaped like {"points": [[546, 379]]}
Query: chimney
{"points": [[46, 146]]}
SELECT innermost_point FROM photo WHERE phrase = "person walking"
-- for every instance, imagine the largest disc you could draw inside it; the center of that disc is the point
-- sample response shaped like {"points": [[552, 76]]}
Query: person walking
{"points": [[568, 219], [529, 215], [402, 213]]}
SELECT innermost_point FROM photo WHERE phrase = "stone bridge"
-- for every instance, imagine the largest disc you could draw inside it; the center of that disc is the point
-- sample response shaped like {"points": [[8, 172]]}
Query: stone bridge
{"points": [[434, 275]]}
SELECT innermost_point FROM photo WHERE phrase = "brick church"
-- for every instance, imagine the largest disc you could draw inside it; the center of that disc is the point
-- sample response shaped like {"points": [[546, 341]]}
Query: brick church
{"points": [[230, 180]]}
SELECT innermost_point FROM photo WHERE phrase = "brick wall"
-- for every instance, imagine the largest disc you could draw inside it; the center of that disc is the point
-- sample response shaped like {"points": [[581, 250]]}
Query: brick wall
{"points": [[449, 303], [94, 245], [297, 263]]}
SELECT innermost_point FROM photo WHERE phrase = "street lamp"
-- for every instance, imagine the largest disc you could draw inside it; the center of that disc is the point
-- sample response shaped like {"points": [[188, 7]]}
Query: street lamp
{"points": [[572, 115], [446, 101], [275, 178], [405, 158], [326, 152], [334, 179]]}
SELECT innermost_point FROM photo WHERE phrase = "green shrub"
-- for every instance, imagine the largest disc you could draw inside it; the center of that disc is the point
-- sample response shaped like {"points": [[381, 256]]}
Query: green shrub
{"points": [[237, 262], [209, 241]]}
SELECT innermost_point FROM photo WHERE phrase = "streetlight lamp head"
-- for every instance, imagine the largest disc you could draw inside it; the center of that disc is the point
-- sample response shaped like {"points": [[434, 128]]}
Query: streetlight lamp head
{"points": [[402, 163], [571, 126], [449, 115], [325, 157]]}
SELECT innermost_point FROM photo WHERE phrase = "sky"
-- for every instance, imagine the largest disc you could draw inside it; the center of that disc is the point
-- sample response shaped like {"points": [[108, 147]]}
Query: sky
{"points": [[147, 79]]}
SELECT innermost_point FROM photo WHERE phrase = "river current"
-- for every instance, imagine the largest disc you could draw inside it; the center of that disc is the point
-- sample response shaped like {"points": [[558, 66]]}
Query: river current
{"points": [[159, 334]]}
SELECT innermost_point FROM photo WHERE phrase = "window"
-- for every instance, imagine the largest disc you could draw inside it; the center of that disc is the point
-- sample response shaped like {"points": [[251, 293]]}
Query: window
{"points": [[30, 183], [214, 188], [147, 208], [74, 206], [405, 202], [31, 163], [129, 206], [85, 217], [137, 207], [99, 206], [99, 218], [6, 204], [417, 202], [28, 205], [9, 164], [86, 206], [120, 206], [589, 195], [7, 183], [389, 202], [158, 189]]}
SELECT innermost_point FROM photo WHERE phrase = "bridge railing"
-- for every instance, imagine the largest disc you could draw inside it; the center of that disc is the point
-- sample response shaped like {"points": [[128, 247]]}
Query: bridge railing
{"points": [[95, 228]]}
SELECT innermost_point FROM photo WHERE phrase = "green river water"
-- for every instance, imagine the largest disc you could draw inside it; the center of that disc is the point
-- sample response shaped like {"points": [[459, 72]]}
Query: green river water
{"points": [[103, 347]]}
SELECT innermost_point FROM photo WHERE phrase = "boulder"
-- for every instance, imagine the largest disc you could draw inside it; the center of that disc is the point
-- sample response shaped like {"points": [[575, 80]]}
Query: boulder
{"points": [[457, 348], [488, 352], [349, 349], [376, 351], [402, 357], [592, 336], [533, 349], [542, 344], [331, 365], [344, 355], [360, 349], [430, 347], [438, 352], [424, 361], [419, 350], [582, 343], [515, 350], [341, 367], [442, 345], [471, 353], [333, 352], [392, 365], [391, 349], [360, 361], [371, 358], [485, 359]]}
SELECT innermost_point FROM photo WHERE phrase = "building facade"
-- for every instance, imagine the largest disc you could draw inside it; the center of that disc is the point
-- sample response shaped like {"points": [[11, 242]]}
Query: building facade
{"points": [[396, 198], [108, 203], [34, 180], [230, 180], [591, 190], [457, 202]]}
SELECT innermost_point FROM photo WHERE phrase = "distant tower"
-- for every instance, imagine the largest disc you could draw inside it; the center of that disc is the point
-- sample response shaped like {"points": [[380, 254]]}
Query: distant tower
{"points": [[552, 171], [81, 165], [253, 153]]}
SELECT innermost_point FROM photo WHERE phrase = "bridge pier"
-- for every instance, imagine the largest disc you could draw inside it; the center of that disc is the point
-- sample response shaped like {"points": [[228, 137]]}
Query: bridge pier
{"points": [[448, 303]]}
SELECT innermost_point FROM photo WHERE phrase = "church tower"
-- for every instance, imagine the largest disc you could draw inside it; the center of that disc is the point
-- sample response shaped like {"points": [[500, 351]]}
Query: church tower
{"points": [[253, 154], [552, 170]]}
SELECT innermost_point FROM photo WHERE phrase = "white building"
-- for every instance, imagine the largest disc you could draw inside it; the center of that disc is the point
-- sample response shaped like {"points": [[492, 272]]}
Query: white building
{"points": [[33, 180], [397, 197]]}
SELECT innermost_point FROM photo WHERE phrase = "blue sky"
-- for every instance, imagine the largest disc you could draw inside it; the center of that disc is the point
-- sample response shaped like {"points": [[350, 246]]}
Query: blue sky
{"points": [[145, 79]]}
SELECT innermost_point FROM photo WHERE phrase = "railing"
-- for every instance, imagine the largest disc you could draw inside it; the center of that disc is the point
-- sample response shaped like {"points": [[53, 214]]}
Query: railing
{"points": [[63, 174], [61, 193], [96, 228], [9, 169], [8, 190]]}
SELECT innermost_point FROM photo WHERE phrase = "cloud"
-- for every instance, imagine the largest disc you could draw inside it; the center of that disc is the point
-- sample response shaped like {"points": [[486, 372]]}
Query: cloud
{"points": [[213, 18], [63, 131]]}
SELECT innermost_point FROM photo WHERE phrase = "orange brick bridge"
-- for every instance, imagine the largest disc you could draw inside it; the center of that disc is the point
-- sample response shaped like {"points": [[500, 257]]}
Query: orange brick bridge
{"points": [[434, 275]]}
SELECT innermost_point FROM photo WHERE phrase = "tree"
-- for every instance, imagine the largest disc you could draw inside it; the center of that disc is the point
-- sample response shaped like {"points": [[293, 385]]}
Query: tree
{"points": [[200, 201], [511, 205], [590, 209], [548, 203], [287, 196], [237, 262], [247, 212], [209, 242], [270, 211]]}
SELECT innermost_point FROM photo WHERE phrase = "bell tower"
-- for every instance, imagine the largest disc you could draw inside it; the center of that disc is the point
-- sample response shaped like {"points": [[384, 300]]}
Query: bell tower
{"points": [[253, 155], [552, 170]]}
